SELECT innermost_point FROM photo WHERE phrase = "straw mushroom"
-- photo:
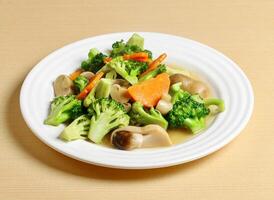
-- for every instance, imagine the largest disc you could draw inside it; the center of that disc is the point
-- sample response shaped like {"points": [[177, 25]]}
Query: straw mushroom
{"points": [[119, 93], [164, 105], [88, 75], [190, 85], [132, 137], [63, 86]]}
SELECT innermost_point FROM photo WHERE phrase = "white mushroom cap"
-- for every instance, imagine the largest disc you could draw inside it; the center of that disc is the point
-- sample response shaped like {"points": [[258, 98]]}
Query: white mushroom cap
{"points": [[132, 137], [62, 86], [88, 75], [119, 93]]}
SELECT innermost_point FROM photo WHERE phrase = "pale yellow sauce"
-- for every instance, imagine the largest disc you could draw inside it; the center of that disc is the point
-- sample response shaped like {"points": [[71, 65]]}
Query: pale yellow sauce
{"points": [[178, 135]]}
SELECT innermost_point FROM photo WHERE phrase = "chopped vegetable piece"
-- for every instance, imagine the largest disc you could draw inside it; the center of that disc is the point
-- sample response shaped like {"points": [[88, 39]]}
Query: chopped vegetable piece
{"points": [[155, 63], [75, 74], [141, 116], [80, 82], [149, 92], [140, 56], [62, 109], [137, 40], [78, 129], [91, 85], [107, 114], [153, 73]]}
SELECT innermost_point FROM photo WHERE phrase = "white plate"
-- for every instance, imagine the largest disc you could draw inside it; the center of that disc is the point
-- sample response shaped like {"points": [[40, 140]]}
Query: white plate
{"points": [[226, 78]]}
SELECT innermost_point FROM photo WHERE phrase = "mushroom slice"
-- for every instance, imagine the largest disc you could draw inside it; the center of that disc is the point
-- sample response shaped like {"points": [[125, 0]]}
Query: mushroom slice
{"points": [[88, 75], [62, 86], [185, 80], [164, 105], [132, 137], [119, 93], [127, 106], [200, 88]]}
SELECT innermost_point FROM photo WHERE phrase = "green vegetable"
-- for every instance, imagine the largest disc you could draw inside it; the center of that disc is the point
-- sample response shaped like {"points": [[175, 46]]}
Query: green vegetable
{"points": [[111, 74], [62, 109], [134, 44], [91, 97], [78, 129], [216, 102], [140, 116], [153, 73], [80, 82], [107, 114], [188, 110], [128, 69], [94, 62], [103, 88], [137, 40]]}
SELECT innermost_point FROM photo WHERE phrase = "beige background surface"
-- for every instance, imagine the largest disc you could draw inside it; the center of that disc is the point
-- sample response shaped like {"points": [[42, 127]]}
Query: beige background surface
{"points": [[243, 30]]}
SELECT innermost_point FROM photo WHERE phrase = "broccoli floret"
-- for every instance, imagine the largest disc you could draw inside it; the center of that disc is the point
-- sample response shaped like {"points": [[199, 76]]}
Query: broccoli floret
{"points": [[128, 69], [80, 82], [107, 114], [111, 74], [78, 129], [94, 62], [62, 109], [134, 44], [188, 110], [153, 73], [140, 116]]}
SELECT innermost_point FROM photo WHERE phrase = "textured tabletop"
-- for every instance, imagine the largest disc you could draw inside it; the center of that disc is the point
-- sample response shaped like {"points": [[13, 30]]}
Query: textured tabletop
{"points": [[241, 29]]}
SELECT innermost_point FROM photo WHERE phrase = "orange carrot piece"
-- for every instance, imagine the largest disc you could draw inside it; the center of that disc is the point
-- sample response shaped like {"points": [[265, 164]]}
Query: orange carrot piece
{"points": [[90, 86], [75, 74], [139, 56], [107, 60], [155, 63], [150, 91]]}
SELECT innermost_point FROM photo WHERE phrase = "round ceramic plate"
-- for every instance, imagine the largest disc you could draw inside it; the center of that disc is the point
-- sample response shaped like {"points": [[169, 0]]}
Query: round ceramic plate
{"points": [[225, 77]]}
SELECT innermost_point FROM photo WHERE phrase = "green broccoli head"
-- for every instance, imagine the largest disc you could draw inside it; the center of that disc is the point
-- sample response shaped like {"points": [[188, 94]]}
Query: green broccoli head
{"points": [[64, 108], [188, 110], [153, 73], [107, 114], [78, 129], [80, 82], [128, 69], [94, 62], [140, 116], [134, 44]]}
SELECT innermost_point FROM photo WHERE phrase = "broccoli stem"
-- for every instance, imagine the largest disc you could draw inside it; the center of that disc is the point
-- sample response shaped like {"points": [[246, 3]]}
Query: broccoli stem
{"points": [[216, 102], [195, 124]]}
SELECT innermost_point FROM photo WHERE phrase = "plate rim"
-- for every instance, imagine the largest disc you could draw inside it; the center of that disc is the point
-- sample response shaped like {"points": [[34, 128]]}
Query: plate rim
{"points": [[216, 148]]}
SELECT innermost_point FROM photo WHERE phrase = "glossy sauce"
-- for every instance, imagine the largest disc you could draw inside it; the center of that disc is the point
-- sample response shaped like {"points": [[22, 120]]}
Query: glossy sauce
{"points": [[177, 135]]}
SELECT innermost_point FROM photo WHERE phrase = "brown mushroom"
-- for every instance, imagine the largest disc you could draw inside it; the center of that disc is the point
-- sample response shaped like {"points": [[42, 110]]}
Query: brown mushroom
{"points": [[190, 85], [132, 137], [119, 93], [197, 87], [176, 78], [62, 86], [88, 75]]}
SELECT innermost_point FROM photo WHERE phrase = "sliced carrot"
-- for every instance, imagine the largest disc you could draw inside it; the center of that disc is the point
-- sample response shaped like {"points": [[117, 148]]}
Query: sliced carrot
{"points": [[139, 56], [90, 86], [154, 64], [107, 59], [75, 74], [149, 92]]}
